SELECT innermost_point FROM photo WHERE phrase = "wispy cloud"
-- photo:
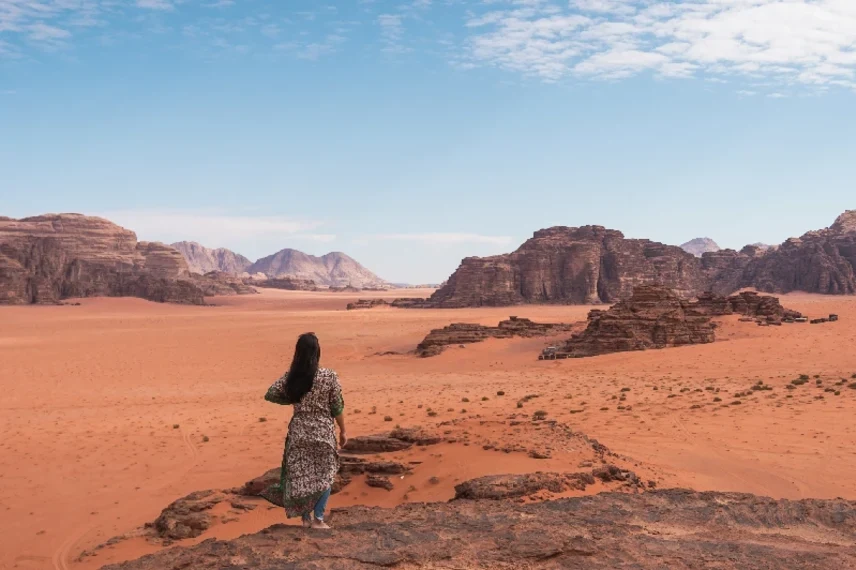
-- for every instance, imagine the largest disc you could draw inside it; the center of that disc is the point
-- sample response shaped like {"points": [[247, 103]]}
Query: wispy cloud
{"points": [[444, 238], [213, 227], [808, 42]]}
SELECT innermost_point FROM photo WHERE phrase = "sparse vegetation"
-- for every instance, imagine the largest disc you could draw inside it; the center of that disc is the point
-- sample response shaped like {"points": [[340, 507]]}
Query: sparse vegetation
{"points": [[539, 415], [431, 413], [205, 439], [717, 399], [262, 420], [465, 400], [387, 418], [500, 393], [175, 426], [625, 389], [485, 398], [803, 379]]}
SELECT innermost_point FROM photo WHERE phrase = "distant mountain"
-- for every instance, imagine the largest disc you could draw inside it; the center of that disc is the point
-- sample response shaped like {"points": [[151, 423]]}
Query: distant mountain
{"points": [[698, 246], [763, 246], [202, 260], [333, 270]]}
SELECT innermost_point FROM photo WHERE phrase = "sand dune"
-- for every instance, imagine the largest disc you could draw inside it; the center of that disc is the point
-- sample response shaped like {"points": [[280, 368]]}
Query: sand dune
{"points": [[114, 408]]}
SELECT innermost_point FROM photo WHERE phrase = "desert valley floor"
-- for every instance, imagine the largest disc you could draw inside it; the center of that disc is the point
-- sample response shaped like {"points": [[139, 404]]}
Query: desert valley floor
{"points": [[113, 409]]}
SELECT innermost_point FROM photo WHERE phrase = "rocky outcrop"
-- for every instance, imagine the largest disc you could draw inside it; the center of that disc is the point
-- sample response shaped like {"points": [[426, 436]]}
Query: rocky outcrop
{"points": [[203, 260], [698, 246], [466, 333], [564, 265], [654, 317], [675, 529], [332, 270], [47, 258], [220, 283], [747, 304], [411, 303], [592, 264], [367, 304], [287, 283]]}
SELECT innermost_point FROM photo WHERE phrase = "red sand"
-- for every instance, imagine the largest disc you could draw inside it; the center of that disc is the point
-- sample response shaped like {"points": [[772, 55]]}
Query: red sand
{"points": [[91, 394]]}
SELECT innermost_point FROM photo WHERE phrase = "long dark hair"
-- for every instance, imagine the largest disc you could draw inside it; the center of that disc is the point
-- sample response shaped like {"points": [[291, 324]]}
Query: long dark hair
{"points": [[304, 366]]}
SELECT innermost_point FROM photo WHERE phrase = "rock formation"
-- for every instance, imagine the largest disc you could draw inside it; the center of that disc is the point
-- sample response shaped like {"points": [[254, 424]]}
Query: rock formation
{"points": [[674, 529], [367, 304], [466, 333], [221, 283], [698, 246], [202, 260], [747, 304], [653, 317], [564, 265], [331, 270], [287, 283], [592, 264], [44, 259]]}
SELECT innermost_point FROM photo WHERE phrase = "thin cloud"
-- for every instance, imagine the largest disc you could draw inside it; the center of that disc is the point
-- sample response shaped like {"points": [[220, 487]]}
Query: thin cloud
{"points": [[207, 227], [445, 238]]}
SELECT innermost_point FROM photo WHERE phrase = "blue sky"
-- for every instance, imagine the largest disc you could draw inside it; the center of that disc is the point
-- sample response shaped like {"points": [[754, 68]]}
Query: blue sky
{"points": [[412, 134]]}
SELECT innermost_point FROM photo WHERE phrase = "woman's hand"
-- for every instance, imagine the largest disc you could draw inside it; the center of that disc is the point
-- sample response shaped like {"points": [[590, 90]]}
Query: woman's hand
{"points": [[343, 439]]}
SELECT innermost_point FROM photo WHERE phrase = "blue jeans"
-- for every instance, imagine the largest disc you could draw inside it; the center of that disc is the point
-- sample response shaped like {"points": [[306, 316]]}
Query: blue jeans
{"points": [[321, 505]]}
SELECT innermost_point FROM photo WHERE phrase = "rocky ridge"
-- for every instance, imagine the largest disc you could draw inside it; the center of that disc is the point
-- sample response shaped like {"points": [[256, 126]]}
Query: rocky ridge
{"points": [[331, 270], [44, 259], [675, 529], [203, 260], [654, 317], [286, 283], [467, 333], [592, 264]]}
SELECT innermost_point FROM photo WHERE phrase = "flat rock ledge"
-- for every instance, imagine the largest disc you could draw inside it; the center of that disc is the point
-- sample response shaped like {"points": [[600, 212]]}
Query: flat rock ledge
{"points": [[668, 529]]}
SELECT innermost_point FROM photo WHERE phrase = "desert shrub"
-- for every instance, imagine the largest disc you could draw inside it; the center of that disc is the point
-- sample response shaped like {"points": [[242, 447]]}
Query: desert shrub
{"points": [[539, 415], [500, 393], [387, 418]]}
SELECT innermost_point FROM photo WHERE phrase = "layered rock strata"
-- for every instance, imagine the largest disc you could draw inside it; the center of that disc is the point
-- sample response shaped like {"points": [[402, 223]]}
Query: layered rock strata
{"points": [[675, 529], [44, 259], [466, 333], [592, 264]]}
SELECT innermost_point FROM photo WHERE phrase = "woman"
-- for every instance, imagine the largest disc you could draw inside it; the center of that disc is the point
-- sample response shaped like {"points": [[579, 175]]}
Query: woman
{"points": [[311, 460]]}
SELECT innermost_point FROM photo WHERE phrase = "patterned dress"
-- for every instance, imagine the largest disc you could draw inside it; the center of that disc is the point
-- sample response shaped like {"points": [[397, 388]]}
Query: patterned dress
{"points": [[311, 458]]}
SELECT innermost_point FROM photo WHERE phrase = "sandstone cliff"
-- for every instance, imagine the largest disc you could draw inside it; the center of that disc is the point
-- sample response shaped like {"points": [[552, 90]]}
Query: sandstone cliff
{"points": [[590, 264], [593, 264], [822, 261], [202, 260], [331, 270], [44, 259]]}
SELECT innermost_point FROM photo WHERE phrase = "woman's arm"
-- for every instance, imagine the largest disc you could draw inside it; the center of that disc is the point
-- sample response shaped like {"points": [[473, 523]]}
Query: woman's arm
{"points": [[343, 438], [337, 408], [276, 393]]}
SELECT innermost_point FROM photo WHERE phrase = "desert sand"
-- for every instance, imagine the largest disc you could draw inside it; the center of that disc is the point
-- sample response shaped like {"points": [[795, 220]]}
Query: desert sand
{"points": [[114, 408]]}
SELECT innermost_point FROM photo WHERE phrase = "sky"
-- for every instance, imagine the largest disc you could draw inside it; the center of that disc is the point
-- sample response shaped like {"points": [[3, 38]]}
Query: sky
{"points": [[411, 134]]}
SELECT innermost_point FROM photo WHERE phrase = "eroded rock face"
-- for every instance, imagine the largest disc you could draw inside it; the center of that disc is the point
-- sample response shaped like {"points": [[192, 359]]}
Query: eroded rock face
{"points": [[466, 333], [187, 517], [367, 304], [218, 283], [286, 283], [654, 317], [674, 529], [590, 264], [47, 258], [747, 303]]}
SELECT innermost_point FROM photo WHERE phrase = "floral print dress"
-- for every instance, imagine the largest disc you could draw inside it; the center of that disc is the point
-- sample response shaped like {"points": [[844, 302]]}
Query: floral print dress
{"points": [[311, 458]]}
